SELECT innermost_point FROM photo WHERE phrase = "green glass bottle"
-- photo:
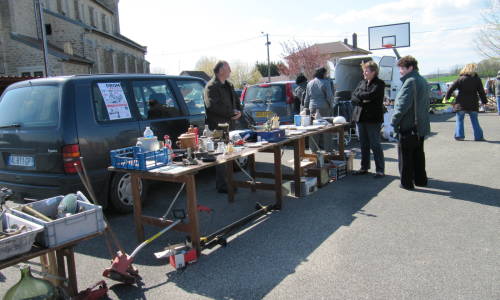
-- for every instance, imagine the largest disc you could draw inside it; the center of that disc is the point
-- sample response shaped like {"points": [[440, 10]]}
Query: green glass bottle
{"points": [[30, 287]]}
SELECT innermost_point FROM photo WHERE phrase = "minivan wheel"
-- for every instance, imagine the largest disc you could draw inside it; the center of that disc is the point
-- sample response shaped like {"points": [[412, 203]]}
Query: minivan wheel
{"points": [[121, 193]]}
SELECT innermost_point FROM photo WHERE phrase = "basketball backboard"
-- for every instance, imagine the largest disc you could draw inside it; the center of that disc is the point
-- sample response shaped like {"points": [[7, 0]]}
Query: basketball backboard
{"points": [[389, 36]]}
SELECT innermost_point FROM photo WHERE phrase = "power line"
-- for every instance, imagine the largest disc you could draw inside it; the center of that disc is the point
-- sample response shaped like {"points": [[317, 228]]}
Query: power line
{"points": [[207, 48]]}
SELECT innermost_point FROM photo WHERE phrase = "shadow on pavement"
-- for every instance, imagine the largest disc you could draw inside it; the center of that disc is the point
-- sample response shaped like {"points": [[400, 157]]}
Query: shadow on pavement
{"points": [[259, 256], [270, 249], [463, 191]]}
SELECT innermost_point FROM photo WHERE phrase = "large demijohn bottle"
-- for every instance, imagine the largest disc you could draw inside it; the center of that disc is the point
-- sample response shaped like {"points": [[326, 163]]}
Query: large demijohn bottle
{"points": [[30, 287]]}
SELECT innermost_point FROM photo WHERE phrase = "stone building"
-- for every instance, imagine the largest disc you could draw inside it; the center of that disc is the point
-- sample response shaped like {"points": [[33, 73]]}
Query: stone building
{"points": [[83, 37]]}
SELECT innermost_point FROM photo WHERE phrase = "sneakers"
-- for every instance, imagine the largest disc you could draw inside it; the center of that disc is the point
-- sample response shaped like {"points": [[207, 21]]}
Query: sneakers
{"points": [[459, 138], [378, 175]]}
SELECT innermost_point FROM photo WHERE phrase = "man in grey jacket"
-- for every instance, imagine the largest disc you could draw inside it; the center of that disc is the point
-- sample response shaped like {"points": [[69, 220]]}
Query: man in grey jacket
{"points": [[411, 122], [319, 98]]}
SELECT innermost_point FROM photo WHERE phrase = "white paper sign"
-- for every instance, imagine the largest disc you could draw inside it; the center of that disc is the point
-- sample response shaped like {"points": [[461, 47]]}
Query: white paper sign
{"points": [[115, 100]]}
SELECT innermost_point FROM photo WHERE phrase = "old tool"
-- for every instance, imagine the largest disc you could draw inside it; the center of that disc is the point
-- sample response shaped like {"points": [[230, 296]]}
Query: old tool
{"points": [[95, 292], [128, 275], [219, 237]]}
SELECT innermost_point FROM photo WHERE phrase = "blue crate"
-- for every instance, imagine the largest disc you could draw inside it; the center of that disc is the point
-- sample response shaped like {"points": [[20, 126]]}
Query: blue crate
{"points": [[133, 158], [272, 136]]}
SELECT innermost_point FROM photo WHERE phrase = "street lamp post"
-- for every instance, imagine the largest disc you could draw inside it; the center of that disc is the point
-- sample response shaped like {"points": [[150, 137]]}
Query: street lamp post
{"points": [[40, 21], [268, 59]]}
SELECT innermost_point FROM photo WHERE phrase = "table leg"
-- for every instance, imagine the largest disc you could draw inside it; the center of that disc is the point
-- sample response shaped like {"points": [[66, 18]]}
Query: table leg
{"points": [[251, 168], [72, 281], [192, 210], [61, 269], [136, 195], [341, 143], [297, 171], [229, 179], [278, 180]]}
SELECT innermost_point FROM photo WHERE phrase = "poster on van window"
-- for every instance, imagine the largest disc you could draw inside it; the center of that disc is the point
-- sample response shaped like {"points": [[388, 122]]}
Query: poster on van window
{"points": [[115, 100]]}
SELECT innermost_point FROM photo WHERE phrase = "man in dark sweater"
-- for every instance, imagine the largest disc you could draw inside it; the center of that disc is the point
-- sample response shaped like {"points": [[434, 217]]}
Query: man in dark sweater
{"points": [[223, 106]]}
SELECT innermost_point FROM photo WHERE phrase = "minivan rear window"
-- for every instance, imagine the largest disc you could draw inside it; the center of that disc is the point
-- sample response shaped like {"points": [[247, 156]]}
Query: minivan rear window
{"points": [[31, 106], [265, 93]]}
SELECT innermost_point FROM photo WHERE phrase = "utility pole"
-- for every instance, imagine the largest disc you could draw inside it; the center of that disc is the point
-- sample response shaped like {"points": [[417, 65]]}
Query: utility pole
{"points": [[268, 60], [39, 7]]}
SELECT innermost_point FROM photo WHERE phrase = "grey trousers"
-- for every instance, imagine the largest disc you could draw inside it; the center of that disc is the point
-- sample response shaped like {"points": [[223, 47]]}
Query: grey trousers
{"points": [[324, 140], [369, 138]]}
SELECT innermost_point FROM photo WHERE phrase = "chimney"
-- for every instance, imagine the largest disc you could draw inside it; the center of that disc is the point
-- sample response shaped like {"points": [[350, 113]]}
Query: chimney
{"points": [[354, 40], [345, 42]]}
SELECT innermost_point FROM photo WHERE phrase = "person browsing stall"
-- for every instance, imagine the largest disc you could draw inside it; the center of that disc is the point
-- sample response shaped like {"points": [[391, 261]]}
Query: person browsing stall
{"points": [[319, 99], [411, 123], [470, 90], [222, 106], [369, 97]]}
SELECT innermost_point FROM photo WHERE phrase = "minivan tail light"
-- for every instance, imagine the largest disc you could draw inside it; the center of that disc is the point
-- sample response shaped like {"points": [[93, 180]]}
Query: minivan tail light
{"points": [[71, 155], [289, 94]]}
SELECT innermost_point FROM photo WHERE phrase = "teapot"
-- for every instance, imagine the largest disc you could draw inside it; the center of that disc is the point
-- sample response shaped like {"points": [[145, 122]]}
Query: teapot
{"points": [[186, 140]]}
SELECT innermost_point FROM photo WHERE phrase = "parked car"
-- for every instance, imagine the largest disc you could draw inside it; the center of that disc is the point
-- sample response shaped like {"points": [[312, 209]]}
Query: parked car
{"points": [[263, 100], [437, 91], [47, 124], [238, 92]]}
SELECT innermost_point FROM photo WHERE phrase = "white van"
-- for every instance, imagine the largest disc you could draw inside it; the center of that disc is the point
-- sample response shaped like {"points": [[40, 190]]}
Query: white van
{"points": [[348, 73]]}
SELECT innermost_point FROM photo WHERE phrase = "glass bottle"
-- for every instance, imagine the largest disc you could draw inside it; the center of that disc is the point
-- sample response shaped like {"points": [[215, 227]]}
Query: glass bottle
{"points": [[30, 287]]}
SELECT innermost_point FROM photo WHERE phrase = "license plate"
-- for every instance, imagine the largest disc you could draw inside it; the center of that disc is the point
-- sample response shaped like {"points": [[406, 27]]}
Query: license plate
{"points": [[263, 114], [21, 161]]}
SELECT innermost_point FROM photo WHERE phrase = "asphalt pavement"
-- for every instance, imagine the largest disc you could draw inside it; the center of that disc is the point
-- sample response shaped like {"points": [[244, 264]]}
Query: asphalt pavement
{"points": [[358, 238]]}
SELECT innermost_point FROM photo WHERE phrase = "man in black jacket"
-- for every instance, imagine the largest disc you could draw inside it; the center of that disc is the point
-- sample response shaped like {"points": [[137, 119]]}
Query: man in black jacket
{"points": [[223, 106]]}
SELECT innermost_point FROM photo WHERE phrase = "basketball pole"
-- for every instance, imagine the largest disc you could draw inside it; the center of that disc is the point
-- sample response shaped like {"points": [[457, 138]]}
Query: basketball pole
{"points": [[397, 53]]}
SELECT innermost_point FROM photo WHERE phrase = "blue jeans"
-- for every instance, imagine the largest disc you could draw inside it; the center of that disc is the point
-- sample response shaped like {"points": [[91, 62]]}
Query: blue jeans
{"points": [[498, 105], [369, 138], [459, 125]]}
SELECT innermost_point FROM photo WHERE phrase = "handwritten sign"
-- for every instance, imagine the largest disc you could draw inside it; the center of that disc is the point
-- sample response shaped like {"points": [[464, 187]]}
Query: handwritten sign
{"points": [[115, 100]]}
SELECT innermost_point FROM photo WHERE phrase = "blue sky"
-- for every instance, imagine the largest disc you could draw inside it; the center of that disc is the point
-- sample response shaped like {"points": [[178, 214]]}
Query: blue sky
{"points": [[178, 33]]}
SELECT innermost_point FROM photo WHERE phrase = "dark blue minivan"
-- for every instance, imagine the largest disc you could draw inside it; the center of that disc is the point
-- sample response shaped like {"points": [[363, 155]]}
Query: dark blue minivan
{"points": [[47, 124]]}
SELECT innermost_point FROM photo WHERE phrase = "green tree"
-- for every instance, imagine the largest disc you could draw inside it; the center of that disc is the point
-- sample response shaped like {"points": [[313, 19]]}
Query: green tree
{"points": [[262, 68], [488, 67]]}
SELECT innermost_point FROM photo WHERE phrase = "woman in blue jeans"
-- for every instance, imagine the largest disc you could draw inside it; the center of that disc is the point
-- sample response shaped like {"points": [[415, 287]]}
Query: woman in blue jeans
{"points": [[369, 96], [470, 90]]}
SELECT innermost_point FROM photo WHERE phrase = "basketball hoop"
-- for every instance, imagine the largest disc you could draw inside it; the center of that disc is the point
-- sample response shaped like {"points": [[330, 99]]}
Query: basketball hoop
{"points": [[388, 46]]}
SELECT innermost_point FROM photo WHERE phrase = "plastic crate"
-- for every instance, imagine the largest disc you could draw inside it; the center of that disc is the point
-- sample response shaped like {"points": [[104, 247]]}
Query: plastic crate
{"points": [[66, 229], [133, 158], [272, 136], [19, 243]]}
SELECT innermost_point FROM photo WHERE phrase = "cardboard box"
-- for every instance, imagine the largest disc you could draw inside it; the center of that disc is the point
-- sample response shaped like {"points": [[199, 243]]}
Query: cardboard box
{"points": [[321, 174], [179, 260], [307, 187], [337, 169]]}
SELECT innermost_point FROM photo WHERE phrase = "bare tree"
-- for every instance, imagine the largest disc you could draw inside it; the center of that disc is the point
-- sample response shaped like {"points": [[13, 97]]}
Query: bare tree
{"points": [[242, 74], [301, 57], [488, 40], [206, 64]]}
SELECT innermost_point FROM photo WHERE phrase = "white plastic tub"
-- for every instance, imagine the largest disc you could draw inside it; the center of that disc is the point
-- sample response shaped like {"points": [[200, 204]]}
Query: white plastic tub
{"points": [[19, 243], [67, 229]]}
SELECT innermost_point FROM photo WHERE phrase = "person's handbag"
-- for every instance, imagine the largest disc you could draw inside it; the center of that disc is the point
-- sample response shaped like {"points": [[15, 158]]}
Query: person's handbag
{"points": [[356, 113]]}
